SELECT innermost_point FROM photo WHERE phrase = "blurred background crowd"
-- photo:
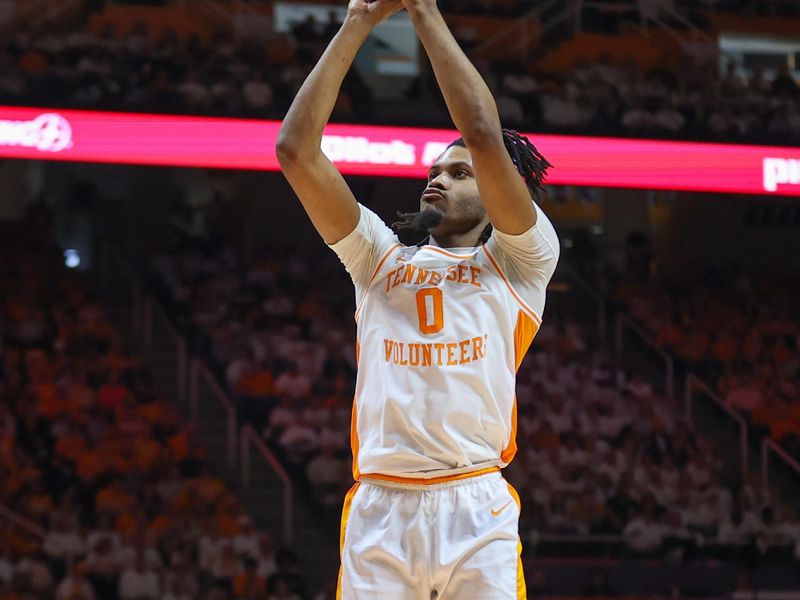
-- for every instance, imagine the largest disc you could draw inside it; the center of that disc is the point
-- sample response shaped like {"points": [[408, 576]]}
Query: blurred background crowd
{"points": [[110, 488]]}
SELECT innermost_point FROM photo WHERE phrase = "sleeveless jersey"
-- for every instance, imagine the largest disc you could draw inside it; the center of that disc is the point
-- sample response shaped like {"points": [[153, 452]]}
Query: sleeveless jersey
{"points": [[440, 336]]}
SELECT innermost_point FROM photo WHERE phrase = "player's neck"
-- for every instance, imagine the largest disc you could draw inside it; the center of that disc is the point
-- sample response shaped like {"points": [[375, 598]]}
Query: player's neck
{"points": [[466, 239]]}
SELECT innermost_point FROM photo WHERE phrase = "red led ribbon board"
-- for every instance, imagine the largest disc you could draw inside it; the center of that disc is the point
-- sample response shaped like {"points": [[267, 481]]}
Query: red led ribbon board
{"points": [[178, 141]]}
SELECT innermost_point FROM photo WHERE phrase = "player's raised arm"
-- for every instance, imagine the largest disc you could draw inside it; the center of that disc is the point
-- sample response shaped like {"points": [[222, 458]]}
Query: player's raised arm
{"points": [[474, 112], [321, 188]]}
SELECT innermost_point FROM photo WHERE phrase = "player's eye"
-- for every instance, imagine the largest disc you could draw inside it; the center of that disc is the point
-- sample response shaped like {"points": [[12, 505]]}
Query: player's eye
{"points": [[462, 173]]}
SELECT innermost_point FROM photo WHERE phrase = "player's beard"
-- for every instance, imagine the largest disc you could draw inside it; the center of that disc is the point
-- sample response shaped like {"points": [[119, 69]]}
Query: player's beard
{"points": [[422, 221]]}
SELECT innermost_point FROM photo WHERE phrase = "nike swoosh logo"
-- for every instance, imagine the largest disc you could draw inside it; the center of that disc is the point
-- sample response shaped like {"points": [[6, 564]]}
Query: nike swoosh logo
{"points": [[496, 513]]}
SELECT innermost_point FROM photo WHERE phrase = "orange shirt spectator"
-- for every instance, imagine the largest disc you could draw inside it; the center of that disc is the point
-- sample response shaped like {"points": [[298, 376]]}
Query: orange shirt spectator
{"points": [[90, 465], [112, 395], [146, 452], [256, 382], [38, 504], [71, 445], [126, 524], [114, 499], [725, 348], [248, 584], [179, 445]]}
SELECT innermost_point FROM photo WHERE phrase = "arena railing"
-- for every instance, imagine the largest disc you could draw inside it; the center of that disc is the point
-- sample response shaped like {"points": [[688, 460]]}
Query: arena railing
{"points": [[625, 323], [154, 316], [221, 14], [36, 13], [694, 384], [114, 266], [250, 439], [21, 522], [769, 447], [521, 29], [597, 297], [200, 378], [193, 379]]}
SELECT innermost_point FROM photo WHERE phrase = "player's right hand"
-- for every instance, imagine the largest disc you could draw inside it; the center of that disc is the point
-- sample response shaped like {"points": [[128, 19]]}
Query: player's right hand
{"points": [[373, 12]]}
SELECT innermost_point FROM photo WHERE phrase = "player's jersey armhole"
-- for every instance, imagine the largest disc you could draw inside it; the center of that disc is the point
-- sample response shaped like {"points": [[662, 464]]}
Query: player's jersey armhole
{"points": [[381, 262], [523, 305]]}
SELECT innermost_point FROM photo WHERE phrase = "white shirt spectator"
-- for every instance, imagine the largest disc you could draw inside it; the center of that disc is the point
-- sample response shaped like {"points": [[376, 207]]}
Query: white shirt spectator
{"points": [[299, 437], [74, 587], [246, 541], [6, 570], [293, 385], [735, 534], [257, 94], [699, 473], [637, 118], [560, 111], [63, 544], [325, 470], [520, 84], [706, 513], [139, 584], [560, 421], [572, 457], [235, 370], [195, 93], [209, 548], [642, 535], [37, 571], [509, 109], [126, 557], [670, 119]]}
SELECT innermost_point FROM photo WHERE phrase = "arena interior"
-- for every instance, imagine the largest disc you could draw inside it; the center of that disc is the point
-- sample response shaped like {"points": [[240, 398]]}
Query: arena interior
{"points": [[177, 345]]}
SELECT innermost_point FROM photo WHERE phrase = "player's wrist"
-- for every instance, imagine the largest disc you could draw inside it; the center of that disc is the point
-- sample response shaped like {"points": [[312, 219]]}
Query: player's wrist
{"points": [[358, 23], [421, 8]]}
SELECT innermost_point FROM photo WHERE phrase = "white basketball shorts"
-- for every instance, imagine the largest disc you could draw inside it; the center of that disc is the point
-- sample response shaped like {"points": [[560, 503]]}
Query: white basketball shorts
{"points": [[455, 539]]}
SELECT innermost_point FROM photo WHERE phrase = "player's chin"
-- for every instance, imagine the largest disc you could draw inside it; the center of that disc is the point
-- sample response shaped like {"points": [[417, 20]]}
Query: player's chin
{"points": [[429, 218]]}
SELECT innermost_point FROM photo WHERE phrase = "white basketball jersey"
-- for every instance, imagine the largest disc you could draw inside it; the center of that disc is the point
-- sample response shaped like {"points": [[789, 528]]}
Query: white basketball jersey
{"points": [[440, 336]]}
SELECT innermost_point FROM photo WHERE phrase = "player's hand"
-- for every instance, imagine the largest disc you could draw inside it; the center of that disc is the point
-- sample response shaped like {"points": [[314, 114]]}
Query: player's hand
{"points": [[373, 12]]}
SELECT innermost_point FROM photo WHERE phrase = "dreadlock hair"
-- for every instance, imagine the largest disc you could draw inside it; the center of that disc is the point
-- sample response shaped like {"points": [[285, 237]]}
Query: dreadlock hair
{"points": [[529, 163]]}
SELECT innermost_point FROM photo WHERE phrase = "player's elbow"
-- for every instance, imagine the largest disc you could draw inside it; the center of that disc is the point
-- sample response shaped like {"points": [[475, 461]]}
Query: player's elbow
{"points": [[287, 150]]}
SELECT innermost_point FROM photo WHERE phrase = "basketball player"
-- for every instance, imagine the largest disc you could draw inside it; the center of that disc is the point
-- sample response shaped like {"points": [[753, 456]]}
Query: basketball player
{"points": [[442, 328]]}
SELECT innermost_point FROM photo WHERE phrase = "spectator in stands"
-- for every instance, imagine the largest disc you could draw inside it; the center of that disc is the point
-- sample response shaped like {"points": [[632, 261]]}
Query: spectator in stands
{"points": [[257, 93], [75, 586], [644, 534], [139, 581], [248, 584]]}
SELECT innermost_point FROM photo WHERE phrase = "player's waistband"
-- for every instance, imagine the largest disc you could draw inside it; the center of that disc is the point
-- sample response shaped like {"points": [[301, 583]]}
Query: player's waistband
{"points": [[433, 483]]}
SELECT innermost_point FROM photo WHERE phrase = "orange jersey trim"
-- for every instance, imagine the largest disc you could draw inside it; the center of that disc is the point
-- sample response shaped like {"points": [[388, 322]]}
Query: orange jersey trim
{"points": [[348, 502], [354, 425], [446, 253], [522, 592], [432, 480], [386, 255], [524, 332], [528, 309]]}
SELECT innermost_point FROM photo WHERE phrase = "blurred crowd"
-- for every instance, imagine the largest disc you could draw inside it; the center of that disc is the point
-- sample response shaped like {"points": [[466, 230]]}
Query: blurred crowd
{"points": [[96, 458], [613, 14], [222, 76], [740, 333], [600, 451]]}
